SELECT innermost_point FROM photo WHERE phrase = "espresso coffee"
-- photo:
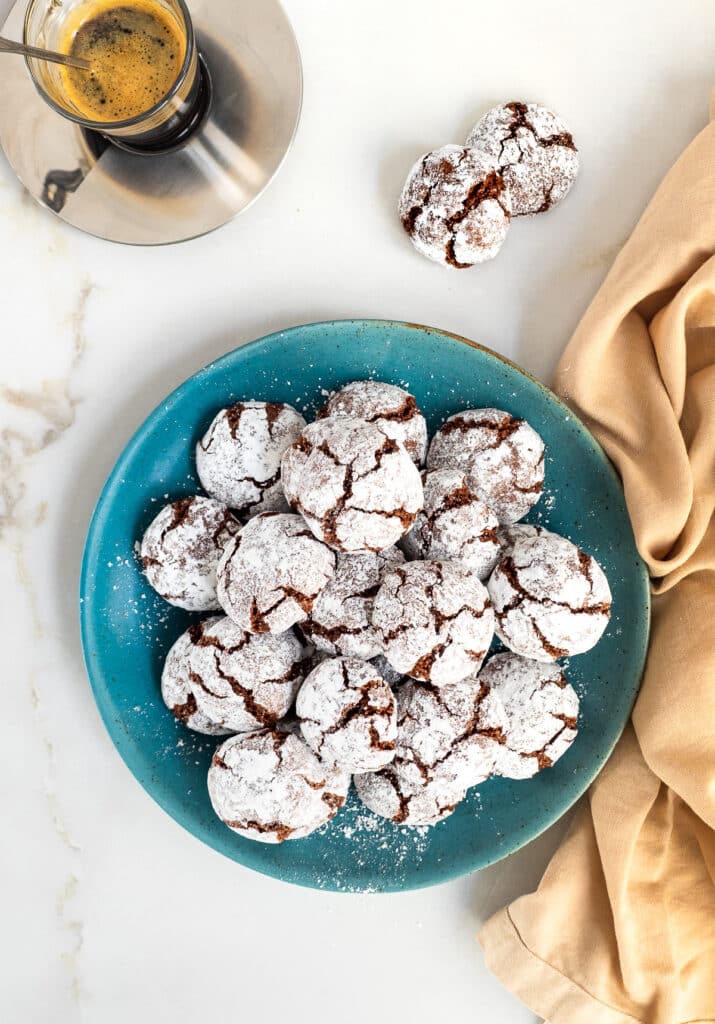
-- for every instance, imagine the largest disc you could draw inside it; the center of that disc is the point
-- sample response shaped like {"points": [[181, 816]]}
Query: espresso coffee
{"points": [[136, 50]]}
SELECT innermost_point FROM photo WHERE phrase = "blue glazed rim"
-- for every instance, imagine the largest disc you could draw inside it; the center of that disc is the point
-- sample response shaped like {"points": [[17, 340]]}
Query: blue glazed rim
{"points": [[224, 842]]}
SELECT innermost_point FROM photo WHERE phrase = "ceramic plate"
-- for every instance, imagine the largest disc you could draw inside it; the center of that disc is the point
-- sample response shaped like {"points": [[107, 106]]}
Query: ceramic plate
{"points": [[127, 629]]}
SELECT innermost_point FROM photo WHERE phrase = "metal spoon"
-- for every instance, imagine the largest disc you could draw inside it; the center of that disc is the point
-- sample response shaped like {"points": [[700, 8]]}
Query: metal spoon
{"points": [[9, 46]]}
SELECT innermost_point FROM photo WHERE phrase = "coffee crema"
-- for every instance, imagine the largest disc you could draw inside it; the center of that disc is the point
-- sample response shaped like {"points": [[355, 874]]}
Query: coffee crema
{"points": [[136, 50]]}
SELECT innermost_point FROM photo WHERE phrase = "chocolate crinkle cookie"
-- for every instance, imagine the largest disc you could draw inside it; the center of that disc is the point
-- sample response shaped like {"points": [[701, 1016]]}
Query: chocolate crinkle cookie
{"points": [[534, 151], [357, 489], [239, 680], [347, 715], [340, 622], [269, 786], [272, 572], [541, 709], [435, 620], [181, 548], [454, 524], [176, 687], [501, 455], [455, 206], [551, 599], [390, 408]]}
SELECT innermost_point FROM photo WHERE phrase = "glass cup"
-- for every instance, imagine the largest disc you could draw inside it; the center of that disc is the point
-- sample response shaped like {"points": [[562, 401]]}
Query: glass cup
{"points": [[164, 126]]}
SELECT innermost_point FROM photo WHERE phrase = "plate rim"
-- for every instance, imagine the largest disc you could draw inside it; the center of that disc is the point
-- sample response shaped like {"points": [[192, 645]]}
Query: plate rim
{"points": [[122, 743]]}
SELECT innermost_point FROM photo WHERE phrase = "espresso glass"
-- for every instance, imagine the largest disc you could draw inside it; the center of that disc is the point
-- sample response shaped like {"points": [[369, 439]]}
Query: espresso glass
{"points": [[163, 126]]}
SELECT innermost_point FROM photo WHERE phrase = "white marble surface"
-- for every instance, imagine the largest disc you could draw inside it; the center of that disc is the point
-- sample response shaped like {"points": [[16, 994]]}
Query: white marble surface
{"points": [[110, 911]]}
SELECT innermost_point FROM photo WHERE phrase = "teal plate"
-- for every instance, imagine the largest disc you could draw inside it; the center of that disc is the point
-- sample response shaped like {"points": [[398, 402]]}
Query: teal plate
{"points": [[127, 629]]}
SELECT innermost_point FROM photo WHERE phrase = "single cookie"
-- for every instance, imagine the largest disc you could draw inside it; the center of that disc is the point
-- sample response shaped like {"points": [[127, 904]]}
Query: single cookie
{"points": [[454, 525], [502, 456], [551, 599], [176, 683], [272, 572], [390, 408], [435, 619], [534, 151], [270, 786], [358, 489], [455, 206], [340, 622], [242, 681], [541, 710], [238, 459], [181, 548], [347, 715], [408, 795]]}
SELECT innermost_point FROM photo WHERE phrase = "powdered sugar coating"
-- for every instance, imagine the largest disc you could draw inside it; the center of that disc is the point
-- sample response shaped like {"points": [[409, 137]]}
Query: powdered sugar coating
{"points": [[181, 548], [509, 535], [270, 786], [340, 622], [176, 689], [502, 456], [243, 681], [271, 573], [534, 151], [357, 489], [347, 715], [455, 206], [541, 710], [550, 598], [455, 524], [402, 793], [238, 459], [390, 408], [435, 619]]}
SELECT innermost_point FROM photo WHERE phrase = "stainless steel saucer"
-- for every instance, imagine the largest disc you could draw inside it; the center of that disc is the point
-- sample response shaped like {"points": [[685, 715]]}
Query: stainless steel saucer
{"points": [[252, 56]]}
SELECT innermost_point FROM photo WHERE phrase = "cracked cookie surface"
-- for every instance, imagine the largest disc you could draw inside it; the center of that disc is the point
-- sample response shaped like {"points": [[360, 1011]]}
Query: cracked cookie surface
{"points": [[541, 709], [455, 524], [390, 408], [534, 151], [357, 489], [238, 459], [347, 715], [270, 786], [551, 599], [435, 619], [455, 206], [176, 688], [502, 456], [272, 572], [341, 619], [181, 548]]}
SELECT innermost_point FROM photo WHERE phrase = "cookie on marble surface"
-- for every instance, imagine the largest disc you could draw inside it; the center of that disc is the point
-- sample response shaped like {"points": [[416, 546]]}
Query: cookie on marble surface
{"points": [[534, 151], [550, 599], [272, 572], [347, 715], [390, 408], [541, 709], [455, 524], [501, 455], [269, 786], [435, 619], [238, 459], [455, 206], [176, 689], [181, 548], [357, 489]]}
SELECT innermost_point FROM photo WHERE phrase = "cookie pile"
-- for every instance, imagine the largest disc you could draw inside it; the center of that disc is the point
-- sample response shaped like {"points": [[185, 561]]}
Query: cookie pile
{"points": [[458, 201], [358, 595]]}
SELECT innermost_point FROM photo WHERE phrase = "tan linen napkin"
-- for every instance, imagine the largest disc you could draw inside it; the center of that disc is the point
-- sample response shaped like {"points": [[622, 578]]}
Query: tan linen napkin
{"points": [[622, 926]]}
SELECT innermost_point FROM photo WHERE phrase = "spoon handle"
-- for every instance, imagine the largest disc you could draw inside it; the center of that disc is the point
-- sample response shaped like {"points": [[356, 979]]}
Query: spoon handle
{"points": [[10, 46]]}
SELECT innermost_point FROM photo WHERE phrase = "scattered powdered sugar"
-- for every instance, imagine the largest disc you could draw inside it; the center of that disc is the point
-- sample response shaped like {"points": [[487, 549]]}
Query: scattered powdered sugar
{"points": [[270, 786], [541, 710], [176, 687], [181, 548], [271, 573], [502, 456], [347, 715], [390, 408]]}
